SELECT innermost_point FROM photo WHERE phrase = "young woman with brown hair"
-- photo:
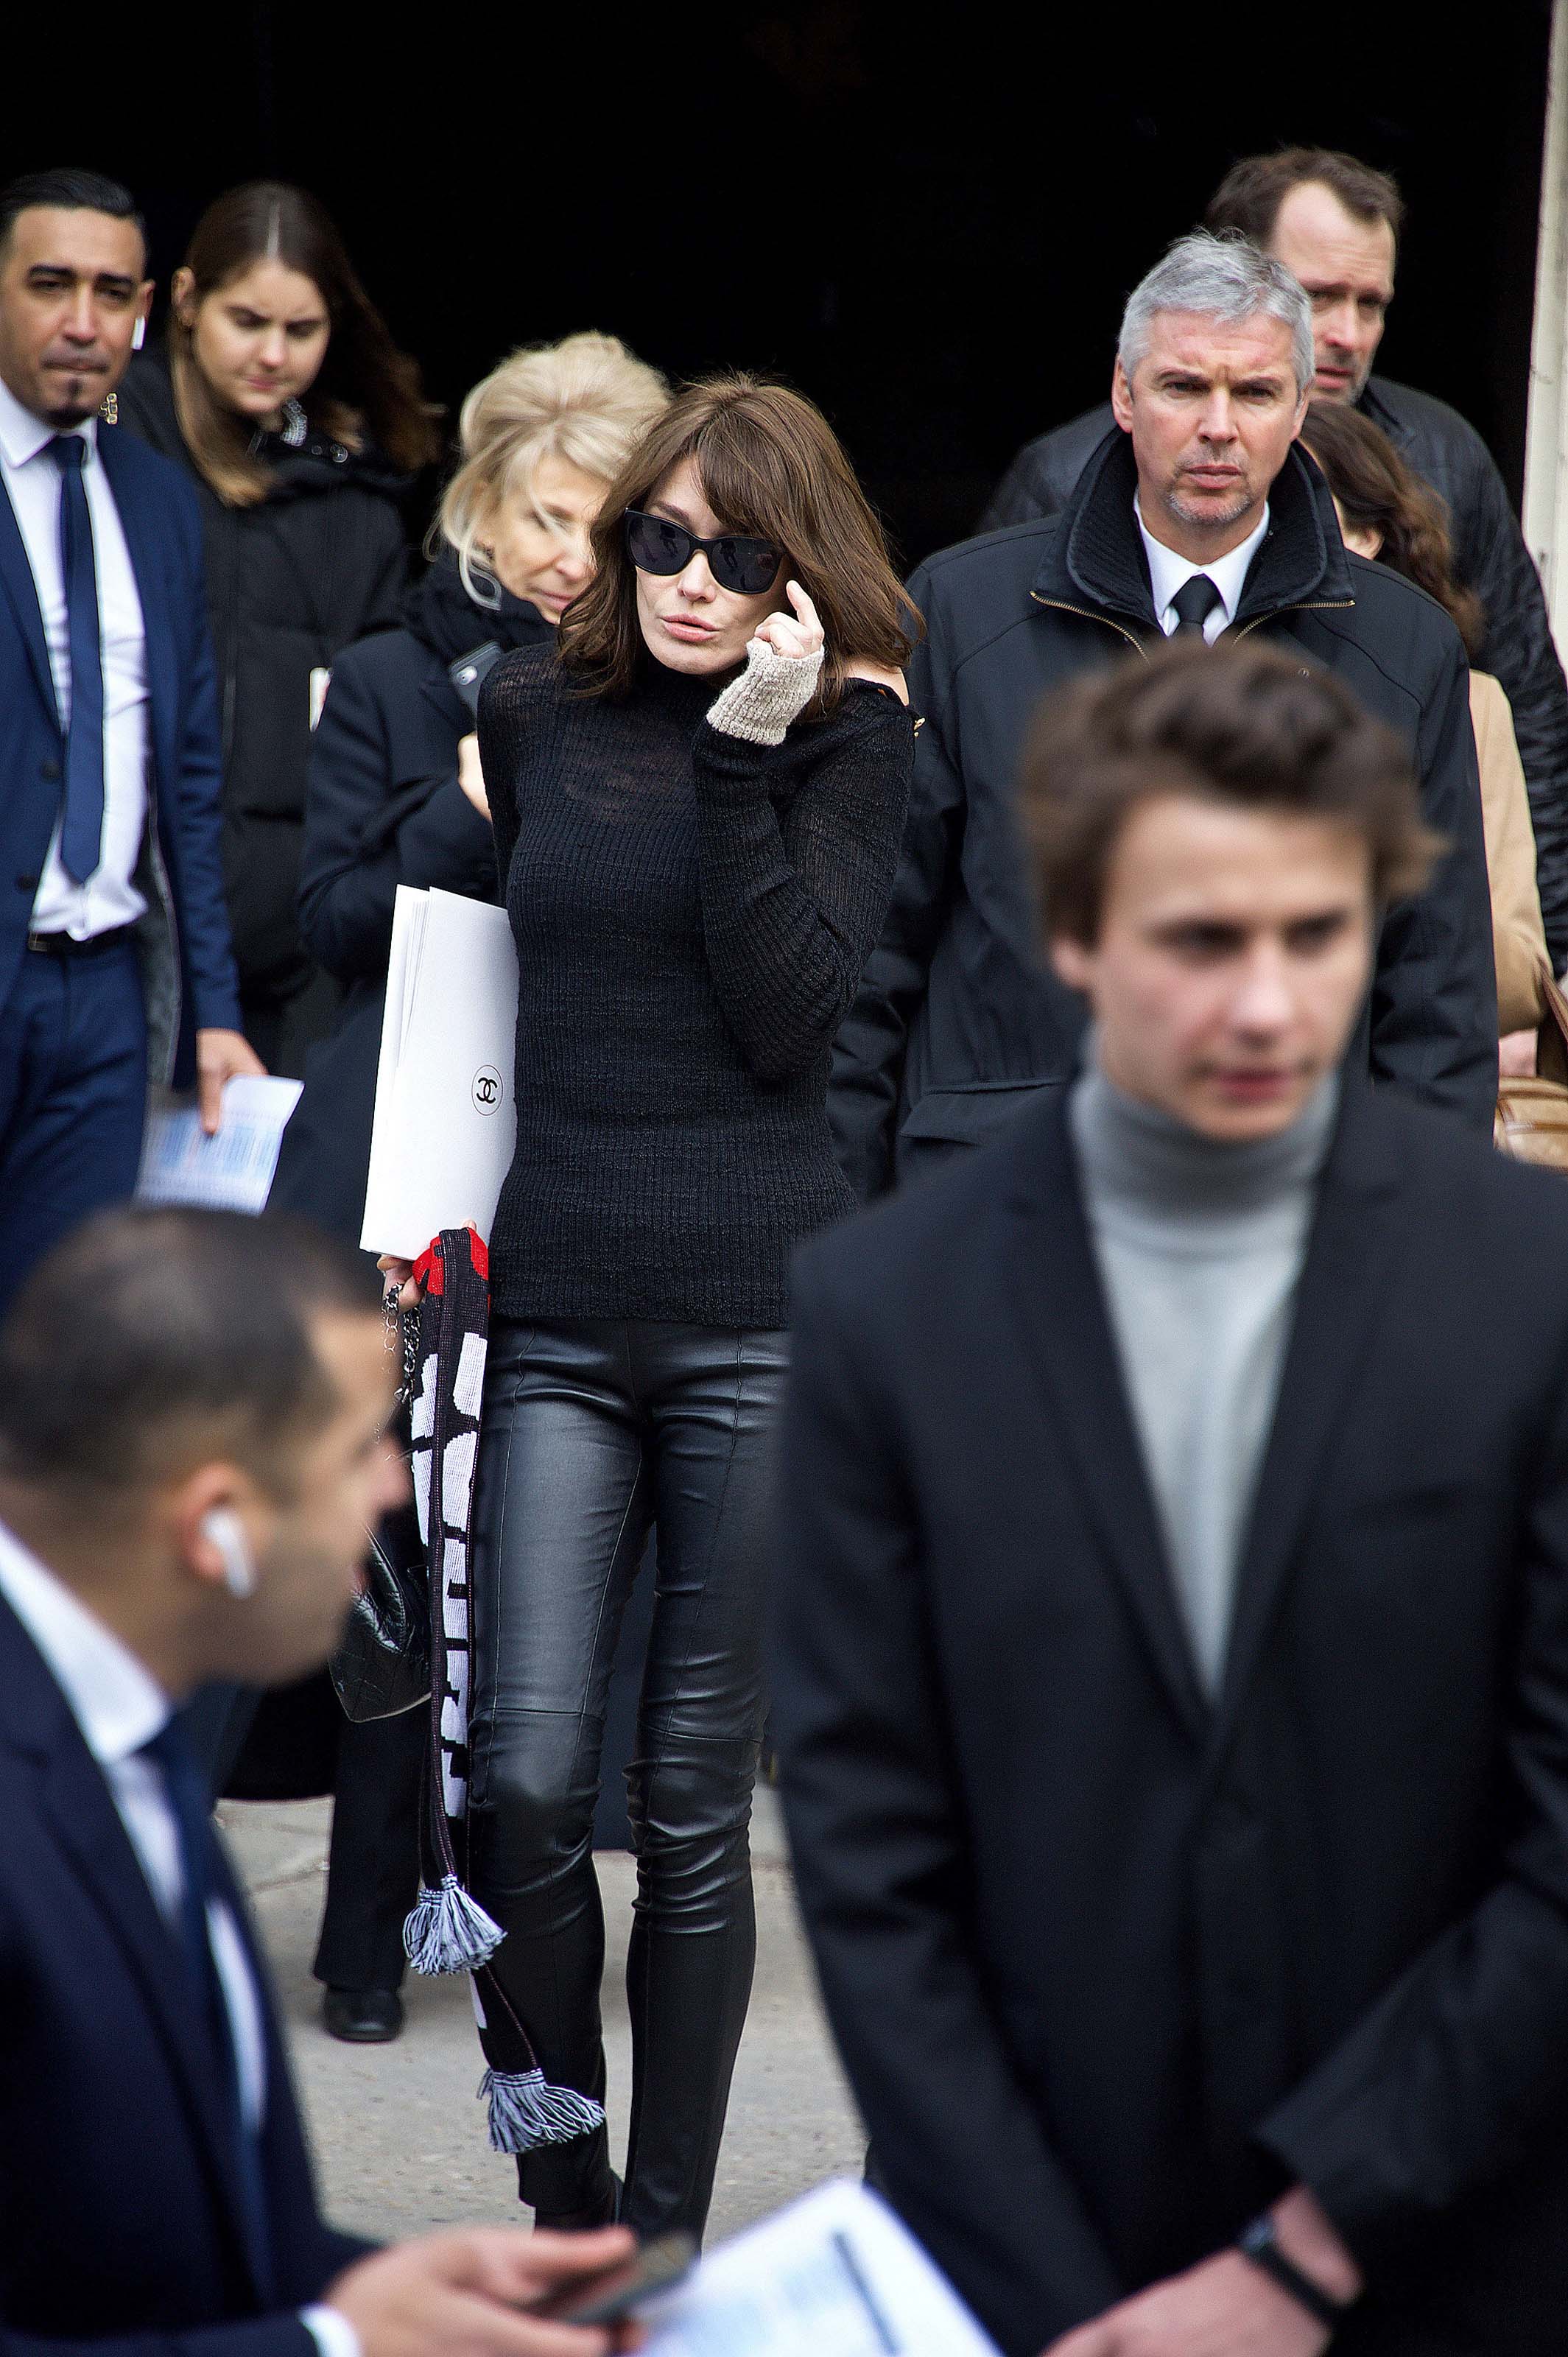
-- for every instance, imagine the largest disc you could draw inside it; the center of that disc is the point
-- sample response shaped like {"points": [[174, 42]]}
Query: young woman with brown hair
{"points": [[1388, 514], [697, 805], [281, 391]]}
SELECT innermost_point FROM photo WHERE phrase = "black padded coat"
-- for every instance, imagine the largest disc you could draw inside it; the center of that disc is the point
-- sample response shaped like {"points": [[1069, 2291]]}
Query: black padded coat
{"points": [[291, 582], [1489, 556], [958, 1023]]}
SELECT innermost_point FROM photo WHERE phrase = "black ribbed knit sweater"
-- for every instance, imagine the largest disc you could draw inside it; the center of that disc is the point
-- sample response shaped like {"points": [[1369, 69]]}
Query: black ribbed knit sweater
{"points": [[692, 913]]}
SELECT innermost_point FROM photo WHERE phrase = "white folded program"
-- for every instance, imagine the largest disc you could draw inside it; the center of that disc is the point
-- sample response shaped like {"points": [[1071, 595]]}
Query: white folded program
{"points": [[446, 1122], [834, 2275]]}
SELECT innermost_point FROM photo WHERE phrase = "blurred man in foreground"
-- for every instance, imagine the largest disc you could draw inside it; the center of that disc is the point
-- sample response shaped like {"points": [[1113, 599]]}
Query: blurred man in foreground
{"points": [[1172, 1674], [1336, 223], [191, 1450]]}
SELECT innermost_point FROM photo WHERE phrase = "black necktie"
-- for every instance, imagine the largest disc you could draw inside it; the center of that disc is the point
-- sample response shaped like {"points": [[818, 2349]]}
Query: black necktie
{"points": [[1194, 602], [82, 825], [190, 1800]]}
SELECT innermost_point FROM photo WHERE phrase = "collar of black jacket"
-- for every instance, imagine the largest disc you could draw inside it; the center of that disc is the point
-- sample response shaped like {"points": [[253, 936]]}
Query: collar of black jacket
{"points": [[146, 403], [1374, 404], [442, 615], [1096, 559]]}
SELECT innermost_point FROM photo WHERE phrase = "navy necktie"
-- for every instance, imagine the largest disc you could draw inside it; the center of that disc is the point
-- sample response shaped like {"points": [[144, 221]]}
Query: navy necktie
{"points": [[190, 1803], [81, 827], [1194, 603]]}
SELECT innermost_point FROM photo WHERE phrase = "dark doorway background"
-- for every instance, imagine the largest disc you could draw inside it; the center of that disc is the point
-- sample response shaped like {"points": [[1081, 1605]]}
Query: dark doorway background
{"points": [[926, 218]]}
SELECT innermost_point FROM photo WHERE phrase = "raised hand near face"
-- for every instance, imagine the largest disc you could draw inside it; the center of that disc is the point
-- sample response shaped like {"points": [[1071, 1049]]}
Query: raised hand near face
{"points": [[794, 636]]}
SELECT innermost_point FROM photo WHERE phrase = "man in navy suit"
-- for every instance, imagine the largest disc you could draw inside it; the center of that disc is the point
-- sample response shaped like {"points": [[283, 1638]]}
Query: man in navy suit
{"points": [[114, 955], [192, 1414]]}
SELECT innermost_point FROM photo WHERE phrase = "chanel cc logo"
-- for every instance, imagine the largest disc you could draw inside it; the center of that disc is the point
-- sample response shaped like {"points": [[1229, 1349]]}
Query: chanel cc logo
{"points": [[486, 1089]]}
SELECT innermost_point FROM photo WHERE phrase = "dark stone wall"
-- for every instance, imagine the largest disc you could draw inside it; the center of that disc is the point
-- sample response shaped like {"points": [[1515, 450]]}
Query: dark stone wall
{"points": [[925, 218]]}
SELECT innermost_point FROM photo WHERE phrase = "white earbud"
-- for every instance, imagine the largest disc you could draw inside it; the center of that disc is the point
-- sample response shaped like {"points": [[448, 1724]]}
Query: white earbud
{"points": [[138, 335], [222, 1528]]}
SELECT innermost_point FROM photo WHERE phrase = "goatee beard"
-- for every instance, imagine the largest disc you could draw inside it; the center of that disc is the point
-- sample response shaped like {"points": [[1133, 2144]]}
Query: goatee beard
{"points": [[1218, 518], [76, 399]]}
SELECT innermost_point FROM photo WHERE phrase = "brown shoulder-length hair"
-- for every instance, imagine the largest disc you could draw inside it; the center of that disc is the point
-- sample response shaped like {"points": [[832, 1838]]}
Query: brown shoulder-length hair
{"points": [[1378, 492], [365, 387], [772, 467]]}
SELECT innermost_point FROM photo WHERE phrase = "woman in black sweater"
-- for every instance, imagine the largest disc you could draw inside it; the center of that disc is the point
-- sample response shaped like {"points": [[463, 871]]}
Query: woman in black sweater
{"points": [[396, 797], [698, 805]]}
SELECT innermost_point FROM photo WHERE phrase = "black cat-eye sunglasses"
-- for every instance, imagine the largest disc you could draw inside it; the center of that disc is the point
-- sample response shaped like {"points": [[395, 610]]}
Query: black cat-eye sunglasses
{"points": [[656, 545]]}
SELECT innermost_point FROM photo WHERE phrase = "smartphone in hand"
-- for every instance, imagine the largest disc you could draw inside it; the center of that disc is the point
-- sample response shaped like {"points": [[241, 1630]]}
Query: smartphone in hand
{"points": [[610, 2298]]}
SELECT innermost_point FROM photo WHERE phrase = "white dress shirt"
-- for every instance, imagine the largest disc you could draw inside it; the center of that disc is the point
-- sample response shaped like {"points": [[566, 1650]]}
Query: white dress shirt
{"points": [[120, 1706], [1169, 573], [108, 899]]}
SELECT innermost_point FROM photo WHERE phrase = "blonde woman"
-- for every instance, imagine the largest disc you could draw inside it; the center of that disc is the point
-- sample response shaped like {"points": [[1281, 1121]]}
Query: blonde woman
{"points": [[539, 439]]}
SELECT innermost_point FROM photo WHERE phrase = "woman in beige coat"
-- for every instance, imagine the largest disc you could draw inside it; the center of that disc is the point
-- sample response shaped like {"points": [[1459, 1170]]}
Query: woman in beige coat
{"points": [[1386, 511]]}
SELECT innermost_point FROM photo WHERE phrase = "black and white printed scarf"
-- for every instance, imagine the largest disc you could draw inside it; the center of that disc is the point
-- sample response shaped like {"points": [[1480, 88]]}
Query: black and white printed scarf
{"points": [[449, 1930]]}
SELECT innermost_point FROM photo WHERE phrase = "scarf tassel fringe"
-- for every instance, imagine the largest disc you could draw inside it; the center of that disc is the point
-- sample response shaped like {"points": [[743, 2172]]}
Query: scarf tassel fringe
{"points": [[448, 1932], [525, 2112]]}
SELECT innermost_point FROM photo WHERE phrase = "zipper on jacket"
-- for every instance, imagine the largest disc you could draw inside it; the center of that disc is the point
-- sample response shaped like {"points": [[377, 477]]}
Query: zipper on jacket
{"points": [[1086, 614], [1304, 605], [231, 659], [166, 894]]}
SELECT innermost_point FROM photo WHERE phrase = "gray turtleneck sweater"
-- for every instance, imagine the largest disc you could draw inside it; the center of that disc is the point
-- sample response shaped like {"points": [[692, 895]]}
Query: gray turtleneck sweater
{"points": [[1199, 1246]]}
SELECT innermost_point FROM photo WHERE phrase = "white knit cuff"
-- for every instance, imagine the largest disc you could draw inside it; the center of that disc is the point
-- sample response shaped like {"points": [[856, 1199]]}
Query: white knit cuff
{"points": [[771, 691]]}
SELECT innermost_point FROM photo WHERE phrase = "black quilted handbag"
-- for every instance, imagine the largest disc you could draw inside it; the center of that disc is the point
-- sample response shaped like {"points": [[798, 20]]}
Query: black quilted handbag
{"points": [[383, 1665]]}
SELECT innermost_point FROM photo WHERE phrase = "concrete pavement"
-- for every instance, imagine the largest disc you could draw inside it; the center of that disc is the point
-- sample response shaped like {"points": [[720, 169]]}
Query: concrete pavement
{"points": [[399, 2138]]}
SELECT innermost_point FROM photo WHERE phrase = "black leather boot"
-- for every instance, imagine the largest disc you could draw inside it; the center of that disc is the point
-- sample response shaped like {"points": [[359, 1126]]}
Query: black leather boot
{"points": [[362, 2016]]}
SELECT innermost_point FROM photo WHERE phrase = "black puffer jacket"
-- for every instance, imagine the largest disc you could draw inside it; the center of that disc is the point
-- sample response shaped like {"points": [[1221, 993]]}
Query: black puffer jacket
{"points": [[1489, 556], [384, 809], [958, 1023], [320, 561]]}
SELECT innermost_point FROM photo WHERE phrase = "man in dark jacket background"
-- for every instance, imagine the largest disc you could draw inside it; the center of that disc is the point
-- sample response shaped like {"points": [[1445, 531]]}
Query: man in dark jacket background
{"points": [[1336, 222], [956, 1025]]}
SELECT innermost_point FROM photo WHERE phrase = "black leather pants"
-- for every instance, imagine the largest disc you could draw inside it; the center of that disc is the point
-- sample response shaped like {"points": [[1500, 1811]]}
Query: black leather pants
{"points": [[592, 1430]]}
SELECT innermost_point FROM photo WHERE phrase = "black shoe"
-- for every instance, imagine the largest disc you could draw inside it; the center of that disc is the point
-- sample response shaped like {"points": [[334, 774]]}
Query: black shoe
{"points": [[603, 2212], [362, 2016]]}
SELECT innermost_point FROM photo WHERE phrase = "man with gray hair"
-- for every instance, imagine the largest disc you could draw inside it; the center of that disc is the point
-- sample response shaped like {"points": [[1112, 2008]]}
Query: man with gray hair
{"points": [[1337, 224], [1195, 514]]}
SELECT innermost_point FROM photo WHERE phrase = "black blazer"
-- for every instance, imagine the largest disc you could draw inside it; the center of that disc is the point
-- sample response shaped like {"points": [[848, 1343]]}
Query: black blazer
{"points": [[119, 2214], [1110, 1967]]}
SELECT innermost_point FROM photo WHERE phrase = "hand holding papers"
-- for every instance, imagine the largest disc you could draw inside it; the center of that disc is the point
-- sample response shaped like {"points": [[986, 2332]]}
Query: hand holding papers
{"points": [[230, 1172], [834, 2276], [445, 1116]]}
